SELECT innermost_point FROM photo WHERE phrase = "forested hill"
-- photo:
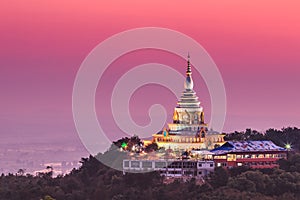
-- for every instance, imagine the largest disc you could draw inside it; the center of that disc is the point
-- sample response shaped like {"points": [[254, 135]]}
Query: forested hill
{"points": [[95, 181]]}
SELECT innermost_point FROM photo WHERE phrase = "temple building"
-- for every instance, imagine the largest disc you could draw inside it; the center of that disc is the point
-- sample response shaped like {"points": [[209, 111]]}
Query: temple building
{"points": [[253, 154], [188, 129]]}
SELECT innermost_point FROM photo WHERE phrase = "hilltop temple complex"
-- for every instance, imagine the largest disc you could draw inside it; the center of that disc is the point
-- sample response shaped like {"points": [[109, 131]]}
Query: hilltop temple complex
{"points": [[202, 149]]}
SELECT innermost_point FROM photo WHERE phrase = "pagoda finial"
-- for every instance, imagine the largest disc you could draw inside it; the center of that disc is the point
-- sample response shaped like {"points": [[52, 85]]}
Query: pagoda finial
{"points": [[188, 84], [188, 70]]}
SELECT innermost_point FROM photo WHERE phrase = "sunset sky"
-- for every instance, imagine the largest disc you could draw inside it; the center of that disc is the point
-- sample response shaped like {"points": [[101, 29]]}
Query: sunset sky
{"points": [[255, 44]]}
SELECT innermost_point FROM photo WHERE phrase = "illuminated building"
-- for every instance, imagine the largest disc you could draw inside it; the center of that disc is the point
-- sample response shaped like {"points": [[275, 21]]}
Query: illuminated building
{"points": [[204, 149], [171, 168], [254, 154], [188, 130]]}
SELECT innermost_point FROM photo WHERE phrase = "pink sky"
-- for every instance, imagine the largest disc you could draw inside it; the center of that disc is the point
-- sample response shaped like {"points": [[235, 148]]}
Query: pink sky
{"points": [[255, 44]]}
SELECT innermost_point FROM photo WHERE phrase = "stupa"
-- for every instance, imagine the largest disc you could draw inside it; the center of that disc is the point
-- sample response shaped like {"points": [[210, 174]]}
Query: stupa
{"points": [[188, 130]]}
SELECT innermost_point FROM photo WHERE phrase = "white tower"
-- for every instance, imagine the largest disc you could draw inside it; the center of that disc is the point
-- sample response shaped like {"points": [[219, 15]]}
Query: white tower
{"points": [[188, 118], [188, 130]]}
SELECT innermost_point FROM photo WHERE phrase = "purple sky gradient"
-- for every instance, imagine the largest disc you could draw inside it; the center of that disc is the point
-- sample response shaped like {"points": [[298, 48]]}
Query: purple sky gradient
{"points": [[255, 45]]}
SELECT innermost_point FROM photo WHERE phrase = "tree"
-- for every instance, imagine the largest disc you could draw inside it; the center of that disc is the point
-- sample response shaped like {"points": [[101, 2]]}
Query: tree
{"points": [[21, 172], [219, 177], [151, 147], [249, 134]]}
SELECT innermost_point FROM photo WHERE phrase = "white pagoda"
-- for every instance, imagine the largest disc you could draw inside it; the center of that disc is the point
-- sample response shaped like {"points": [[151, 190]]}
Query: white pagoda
{"points": [[188, 130]]}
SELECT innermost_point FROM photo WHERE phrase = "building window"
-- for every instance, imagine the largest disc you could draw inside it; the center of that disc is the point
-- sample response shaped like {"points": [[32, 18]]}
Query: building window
{"points": [[200, 165], [160, 164], [231, 157], [282, 155], [220, 157], [135, 164], [126, 163], [147, 164]]}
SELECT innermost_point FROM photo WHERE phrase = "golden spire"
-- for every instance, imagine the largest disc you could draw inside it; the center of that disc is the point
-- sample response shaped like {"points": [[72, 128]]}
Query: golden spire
{"points": [[175, 117], [202, 117]]}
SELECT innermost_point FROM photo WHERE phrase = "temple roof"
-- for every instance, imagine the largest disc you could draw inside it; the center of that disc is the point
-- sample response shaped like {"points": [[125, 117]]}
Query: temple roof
{"points": [[247, 146]]}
